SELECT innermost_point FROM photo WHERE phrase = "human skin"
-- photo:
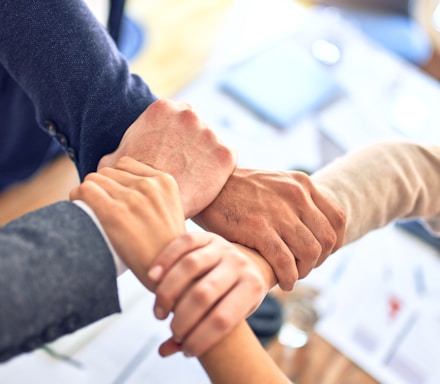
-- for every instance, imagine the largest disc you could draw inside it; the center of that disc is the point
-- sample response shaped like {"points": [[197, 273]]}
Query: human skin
{"points": [[171, 137], [140, 211], [210, 285], [282, 215], [294, 232]]}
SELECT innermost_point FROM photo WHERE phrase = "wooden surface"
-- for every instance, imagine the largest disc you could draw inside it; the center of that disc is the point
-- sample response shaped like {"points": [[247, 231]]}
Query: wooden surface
{"points": [[180, 38], [317, 363], [51, 184]]}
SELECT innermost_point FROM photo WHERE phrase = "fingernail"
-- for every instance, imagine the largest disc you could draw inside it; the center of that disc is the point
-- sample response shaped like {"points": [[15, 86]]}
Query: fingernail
{"points": [[187, 354], [160, 313], [155, 273]]}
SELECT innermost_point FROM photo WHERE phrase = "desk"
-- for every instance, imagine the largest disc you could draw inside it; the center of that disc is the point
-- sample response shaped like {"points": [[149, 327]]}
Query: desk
{"points": [[319, 363]]}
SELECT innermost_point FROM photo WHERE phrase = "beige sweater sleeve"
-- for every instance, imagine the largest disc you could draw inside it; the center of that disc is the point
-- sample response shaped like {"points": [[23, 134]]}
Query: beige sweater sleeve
{"points": [[383, 182]]}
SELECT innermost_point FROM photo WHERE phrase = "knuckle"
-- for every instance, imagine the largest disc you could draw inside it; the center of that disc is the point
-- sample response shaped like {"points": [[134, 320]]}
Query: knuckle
{"points": [[298, 192], [328, 242], [86, 185], [225, 155], [340, 219], [169, 182], [189, 117], [314, 250], [142, 184], [124, 160], [190, 239], [202, 294], [221, 322], [90, 177], [190, 262], [302, 178]]}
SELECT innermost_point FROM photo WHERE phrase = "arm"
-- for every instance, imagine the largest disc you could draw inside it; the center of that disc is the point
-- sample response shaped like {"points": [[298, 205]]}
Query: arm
{"points": [[226, 362], [57, 273], [85, 96], [239, 358], [147, 196], [49, 267], [70, 68], [152, 197], [383, 182]]}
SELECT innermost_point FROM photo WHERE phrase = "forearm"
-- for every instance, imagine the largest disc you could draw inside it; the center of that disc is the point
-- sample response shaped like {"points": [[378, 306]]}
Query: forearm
{"points": [[67, 64], [383, 182], [239, 358], [56, 276]]}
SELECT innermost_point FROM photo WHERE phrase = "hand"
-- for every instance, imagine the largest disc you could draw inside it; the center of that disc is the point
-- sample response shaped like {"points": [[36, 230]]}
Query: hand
{"points": [[280, 214], [209, 285], [139, 208], [170, 136]]}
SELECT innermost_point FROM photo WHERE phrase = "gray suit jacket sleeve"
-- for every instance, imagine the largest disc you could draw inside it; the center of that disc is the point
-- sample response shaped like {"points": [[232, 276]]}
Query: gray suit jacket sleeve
{"points": [[56, 276]]}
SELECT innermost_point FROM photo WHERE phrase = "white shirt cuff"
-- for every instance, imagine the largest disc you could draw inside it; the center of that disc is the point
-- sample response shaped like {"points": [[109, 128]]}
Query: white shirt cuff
{"points": [[120, 266]]}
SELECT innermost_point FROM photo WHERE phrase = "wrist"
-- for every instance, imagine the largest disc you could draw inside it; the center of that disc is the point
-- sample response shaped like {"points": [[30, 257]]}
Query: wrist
{"points": [[264, 267]]}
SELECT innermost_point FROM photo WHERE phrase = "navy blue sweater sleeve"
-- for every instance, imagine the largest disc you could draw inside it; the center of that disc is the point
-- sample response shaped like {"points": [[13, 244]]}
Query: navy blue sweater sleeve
{"points": [[66, 62]]}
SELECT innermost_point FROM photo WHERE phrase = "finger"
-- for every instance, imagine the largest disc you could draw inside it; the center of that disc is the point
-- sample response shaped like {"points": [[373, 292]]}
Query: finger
{"points": [[180, 277], [304, 245], [94, 195], [169, 347], [335, 216], [74, 193], [173, 251], [135, 167], [324, 235], [200, 299], [109, 184], [219, 322], [280, 257], [122, 177], [82, 191]]}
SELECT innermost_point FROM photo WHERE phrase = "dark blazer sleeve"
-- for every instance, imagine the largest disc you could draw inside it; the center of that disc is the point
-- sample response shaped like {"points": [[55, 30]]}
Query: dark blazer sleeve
{"points": [[56, 276], [66, 62]]}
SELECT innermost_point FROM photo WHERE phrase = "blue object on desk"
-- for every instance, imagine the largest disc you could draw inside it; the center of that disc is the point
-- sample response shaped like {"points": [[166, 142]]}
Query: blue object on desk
{"points": [[417, 228], [399, 34], [266, 321], [281, 84]]}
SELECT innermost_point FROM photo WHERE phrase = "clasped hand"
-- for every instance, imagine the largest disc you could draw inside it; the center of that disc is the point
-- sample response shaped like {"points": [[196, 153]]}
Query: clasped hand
{"points": [[207, 282], [279, 214]]}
